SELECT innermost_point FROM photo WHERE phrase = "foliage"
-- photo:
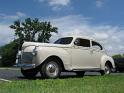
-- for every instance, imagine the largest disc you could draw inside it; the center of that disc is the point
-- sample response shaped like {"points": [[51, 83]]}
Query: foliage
{"points": [[33, 30], [118, 56], [28, 30], [86, 84], [8, 53]]}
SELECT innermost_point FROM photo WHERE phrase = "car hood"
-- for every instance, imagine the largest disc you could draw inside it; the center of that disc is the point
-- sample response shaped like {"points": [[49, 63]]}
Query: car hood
{"points": [[26, 44]]}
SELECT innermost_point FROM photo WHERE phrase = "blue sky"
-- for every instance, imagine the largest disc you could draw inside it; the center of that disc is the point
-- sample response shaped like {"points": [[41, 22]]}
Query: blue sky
{"points": [[101, 11], [101, 19]]}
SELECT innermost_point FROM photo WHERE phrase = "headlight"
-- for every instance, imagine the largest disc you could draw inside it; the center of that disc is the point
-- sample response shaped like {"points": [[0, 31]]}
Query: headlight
{"points": [[34, 52]]}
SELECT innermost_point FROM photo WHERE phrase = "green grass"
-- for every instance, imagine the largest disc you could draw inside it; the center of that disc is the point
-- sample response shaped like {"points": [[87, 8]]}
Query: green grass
{"points": [[86, 84]]}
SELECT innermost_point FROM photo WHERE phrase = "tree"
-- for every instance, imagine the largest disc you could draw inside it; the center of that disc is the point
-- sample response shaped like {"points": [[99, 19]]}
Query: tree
{"points": [[118, 56], [45, 33], [33, 30], [8, 53], [18, 32], [30, 28]]}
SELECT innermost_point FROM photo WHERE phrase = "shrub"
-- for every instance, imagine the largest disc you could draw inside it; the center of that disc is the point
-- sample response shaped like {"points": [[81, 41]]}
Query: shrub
{"points": [[8, 53]]}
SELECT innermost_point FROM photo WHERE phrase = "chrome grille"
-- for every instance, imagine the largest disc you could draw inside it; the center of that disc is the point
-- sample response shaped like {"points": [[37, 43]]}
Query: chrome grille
{"points": [[27, 57]]}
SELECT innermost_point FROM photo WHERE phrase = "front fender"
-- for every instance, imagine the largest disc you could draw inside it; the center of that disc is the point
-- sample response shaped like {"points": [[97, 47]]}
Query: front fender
{"points": [[44, 52], [106, 58]]}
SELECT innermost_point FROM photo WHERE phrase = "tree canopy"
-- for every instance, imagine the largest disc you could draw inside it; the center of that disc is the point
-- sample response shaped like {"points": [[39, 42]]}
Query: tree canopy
{"points": [[33, 30], [118, 56]]}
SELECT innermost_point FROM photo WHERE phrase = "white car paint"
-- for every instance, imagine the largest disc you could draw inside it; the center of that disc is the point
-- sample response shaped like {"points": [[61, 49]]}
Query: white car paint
{"points": [[73, 57]]}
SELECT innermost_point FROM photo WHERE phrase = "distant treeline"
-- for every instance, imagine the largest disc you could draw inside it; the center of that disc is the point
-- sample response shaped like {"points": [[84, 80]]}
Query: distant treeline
{"points": [[118, 56]]}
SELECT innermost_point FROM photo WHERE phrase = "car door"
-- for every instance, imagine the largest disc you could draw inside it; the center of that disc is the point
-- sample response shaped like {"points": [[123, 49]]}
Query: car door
{"points": [[81, 55], [97, 52]]}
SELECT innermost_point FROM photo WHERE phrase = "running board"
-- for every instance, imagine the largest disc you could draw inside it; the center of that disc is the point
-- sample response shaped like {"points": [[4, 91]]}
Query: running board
{"points": [[93, 69]]}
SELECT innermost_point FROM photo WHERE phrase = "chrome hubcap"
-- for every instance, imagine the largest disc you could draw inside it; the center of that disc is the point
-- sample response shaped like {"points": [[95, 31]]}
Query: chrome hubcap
{"points": [[52, 69]]}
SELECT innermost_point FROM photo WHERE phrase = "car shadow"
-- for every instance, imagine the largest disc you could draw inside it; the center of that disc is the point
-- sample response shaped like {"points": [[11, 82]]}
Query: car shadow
{"points": [[31, 78], [61, 77]]}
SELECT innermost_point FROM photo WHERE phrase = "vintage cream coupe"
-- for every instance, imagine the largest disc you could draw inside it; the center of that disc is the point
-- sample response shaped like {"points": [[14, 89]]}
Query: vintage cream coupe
{"points": [[73, 53]]}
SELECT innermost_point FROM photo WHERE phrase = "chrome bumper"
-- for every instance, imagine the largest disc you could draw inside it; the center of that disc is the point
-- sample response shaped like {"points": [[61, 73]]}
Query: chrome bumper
{"points": [[25, 66]]}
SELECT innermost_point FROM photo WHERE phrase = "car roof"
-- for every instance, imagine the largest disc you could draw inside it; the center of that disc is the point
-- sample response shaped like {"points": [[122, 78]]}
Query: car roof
{"points": [[83, 37]]}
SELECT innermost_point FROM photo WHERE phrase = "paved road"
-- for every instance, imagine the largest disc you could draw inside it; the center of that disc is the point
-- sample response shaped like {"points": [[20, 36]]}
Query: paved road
{"points": [[15, 74]]}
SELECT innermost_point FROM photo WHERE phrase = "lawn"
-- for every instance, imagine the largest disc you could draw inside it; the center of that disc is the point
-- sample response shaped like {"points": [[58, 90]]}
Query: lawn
{"points": [[86, 84]]}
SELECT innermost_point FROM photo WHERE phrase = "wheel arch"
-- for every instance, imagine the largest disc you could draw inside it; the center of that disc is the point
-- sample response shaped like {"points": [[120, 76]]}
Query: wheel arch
{"points": [[44, 53], [109, 63], [107, 60], [54, 57]]}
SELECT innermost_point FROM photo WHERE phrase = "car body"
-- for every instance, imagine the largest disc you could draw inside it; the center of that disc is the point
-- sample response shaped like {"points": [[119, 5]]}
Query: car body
{"points": [[71, 53], [119, 64]]}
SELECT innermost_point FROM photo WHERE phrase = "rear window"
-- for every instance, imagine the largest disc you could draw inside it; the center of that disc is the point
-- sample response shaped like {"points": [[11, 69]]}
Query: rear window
{"points": [[83, 42]]}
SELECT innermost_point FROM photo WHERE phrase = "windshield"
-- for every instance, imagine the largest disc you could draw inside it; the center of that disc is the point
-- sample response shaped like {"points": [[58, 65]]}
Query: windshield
{"points": [[66, 40]]}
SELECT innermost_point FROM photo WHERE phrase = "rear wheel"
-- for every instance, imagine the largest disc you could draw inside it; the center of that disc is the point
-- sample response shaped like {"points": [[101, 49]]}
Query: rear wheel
{"points": [[80, 73], [107, 70], [51, 69], [30, 73]]}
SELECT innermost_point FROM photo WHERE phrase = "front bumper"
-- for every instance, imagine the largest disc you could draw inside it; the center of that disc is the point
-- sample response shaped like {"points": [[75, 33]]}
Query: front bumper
{"points": [[26, 66]]}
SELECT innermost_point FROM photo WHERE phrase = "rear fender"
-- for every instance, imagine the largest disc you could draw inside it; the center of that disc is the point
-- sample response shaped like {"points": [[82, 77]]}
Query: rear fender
{"points": [[105, 59]]}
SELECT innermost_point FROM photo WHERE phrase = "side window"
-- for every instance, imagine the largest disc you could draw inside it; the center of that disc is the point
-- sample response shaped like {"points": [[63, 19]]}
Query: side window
{"points": [[96, 44], [82, 42]]}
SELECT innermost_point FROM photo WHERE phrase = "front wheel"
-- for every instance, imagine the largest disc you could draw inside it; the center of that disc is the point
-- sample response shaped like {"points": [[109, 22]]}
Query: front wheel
{"points": [[51, 69], [106, 71], [30, 73]]}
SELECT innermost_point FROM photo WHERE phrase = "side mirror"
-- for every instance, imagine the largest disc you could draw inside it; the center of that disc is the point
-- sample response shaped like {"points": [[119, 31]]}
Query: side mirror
{"points": [[96, 48]]}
